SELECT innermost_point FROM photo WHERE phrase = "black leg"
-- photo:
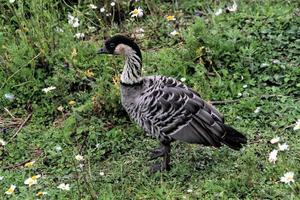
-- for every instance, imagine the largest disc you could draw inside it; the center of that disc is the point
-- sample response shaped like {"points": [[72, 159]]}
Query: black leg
{"points": [[162, 151], [166, 158], [157, 152]]}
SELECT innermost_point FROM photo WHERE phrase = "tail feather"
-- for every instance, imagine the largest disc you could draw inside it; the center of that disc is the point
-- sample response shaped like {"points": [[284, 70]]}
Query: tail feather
{"points": [[233, 138]]}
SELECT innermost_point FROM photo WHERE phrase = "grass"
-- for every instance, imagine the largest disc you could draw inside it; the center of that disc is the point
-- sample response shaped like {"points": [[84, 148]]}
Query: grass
{"points": [[250, 56]]}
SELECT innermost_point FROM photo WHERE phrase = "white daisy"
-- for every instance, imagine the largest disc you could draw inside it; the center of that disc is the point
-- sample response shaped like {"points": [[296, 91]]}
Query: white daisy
{"points": [[74, 21], [174, 33], [102, 9], [92, 6], [287, 178], [64, 186], [57, 148], [32, 180], [189, 190], [232, 8], [10, 190], [297, 126], [283, 147], [41, 194], [79, 35], [113, 4], [59, 30], [275, 140], [2, 142], [48, 89], [79, 157], [218, 12], [9, 96], [257, 110], [137, 12], [273, 156]]}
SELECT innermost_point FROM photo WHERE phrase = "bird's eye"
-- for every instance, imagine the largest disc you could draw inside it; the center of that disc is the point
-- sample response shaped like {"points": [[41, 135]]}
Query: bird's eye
{"points": [[112, 45]]}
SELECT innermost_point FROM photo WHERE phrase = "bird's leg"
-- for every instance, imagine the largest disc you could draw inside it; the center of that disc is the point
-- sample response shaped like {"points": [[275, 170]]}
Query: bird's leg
{"points": [[162, 151], [157, 152], [166, 158]]}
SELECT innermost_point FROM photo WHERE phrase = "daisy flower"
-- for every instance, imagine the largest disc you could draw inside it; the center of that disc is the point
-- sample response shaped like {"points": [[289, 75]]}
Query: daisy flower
{"points": [[89, 73], [218, 12], [2, 142], [72, 103], [48, 89], [102, 9], [297, 126], [9, 96], [60, 108], [79, 35], [257, 110], [92, 28], [287, 178], [137, 12], [74, 21], [101, 173], [283, 147], [59, 30], [171, 18], [189, 190], [92, 6], [10, 190], [113, 4], [232, 8], [273, 156], [40, 194], [32, 180], [79, 157], [275, 140], [174, 33], [58, 148], [64, 186], [29, 164]]}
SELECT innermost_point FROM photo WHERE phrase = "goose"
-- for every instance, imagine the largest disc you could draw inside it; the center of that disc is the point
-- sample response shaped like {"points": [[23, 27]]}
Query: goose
{"points": [[167, 109]]}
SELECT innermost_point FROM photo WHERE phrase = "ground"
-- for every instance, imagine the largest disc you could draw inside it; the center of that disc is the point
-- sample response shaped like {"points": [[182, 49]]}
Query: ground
{"points": [[245, 60]]}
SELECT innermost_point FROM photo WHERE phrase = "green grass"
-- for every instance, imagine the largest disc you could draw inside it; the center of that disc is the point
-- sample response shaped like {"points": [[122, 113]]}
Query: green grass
{"points": [[250, 56]]}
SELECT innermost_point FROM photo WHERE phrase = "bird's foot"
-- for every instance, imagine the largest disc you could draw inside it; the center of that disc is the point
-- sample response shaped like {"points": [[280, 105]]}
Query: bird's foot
{"points": [[159, 167], [157, 152]]}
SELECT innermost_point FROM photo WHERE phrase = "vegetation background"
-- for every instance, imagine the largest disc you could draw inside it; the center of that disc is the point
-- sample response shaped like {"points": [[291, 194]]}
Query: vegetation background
{"points": [[246, 61]]}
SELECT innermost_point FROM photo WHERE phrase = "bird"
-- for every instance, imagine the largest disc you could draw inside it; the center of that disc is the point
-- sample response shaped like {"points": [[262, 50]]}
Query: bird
{"points": [[166, 108]]}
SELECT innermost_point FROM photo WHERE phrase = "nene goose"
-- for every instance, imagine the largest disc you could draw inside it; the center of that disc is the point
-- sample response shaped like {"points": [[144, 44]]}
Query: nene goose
{"points": [[166, 108]]}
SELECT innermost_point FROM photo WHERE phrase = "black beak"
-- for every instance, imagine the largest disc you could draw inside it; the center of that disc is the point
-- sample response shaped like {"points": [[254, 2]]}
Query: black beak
{"points": [[103, 51]]}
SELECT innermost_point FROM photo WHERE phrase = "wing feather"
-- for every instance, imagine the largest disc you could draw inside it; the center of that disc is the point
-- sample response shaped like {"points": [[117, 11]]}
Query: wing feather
{"points": [[168, 108]]}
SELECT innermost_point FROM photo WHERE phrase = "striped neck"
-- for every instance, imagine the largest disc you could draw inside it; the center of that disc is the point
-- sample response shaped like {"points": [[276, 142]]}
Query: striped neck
{"points": [[132, 69]]}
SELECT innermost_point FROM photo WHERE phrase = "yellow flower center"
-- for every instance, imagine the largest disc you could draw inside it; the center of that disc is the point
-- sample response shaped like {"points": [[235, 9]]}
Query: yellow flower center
{"points": [[170, 18], [135, 11], [89, 73], [29, 164], [40, 194], [72, 103]]}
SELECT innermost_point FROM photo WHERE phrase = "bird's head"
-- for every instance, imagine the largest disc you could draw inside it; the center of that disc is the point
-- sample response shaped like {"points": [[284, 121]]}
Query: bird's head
{"points": [[120, 45]]}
